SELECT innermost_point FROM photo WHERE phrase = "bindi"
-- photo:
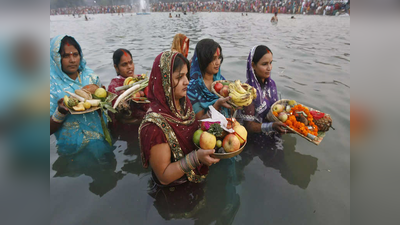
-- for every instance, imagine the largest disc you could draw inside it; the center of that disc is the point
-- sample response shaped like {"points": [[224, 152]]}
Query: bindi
{"points": [[218, 52]]}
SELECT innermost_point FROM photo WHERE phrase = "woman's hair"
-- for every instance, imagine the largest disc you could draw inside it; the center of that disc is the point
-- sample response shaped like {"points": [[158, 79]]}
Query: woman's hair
{"points": [[260, 51], [206, 49], [118, 54], [70, 41], [179, 62]]}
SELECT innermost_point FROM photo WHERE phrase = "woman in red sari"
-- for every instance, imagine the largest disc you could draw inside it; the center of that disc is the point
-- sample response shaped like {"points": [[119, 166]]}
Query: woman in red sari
{"points": [[125, 67], [166, 132]]}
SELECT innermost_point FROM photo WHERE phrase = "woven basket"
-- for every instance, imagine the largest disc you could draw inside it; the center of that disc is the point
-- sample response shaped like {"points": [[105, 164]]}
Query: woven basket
{"points": [[271, 117]]}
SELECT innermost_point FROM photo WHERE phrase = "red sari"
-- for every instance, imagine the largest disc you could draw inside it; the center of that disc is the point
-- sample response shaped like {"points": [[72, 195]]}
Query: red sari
{"points": [[164, 124], [138, 111]]}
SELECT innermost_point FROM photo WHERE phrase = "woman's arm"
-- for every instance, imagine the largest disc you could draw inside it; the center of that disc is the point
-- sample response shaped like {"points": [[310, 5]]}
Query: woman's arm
{"points": [[221, 102], [167, 171]]}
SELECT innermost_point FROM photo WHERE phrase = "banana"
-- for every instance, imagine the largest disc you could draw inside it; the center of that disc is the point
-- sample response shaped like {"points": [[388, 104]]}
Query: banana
{"points": [[239, 88], [127, 80], [66, 99], [241, 99]]}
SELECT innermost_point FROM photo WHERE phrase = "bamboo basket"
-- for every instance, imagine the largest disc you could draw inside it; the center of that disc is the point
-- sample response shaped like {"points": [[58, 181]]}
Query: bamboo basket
{"points": [[271, 117]]}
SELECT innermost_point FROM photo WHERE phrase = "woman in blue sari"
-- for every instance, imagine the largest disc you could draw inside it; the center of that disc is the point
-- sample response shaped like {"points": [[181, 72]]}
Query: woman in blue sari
{"points": [[68, 72], [205, 69]]}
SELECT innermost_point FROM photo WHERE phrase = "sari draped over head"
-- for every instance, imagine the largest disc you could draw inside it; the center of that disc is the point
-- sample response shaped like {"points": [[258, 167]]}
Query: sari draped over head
{"points": [[180, 41], [163, 123], [267, 94], [198, 93], [77, 131]]}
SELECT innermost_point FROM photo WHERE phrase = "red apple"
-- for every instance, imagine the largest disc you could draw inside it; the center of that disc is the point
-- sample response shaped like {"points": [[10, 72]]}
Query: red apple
{"points": [[224, 91], [218, 86], [136, 96], [208, 141], [146, 91], [141, 93], [231, 143]]}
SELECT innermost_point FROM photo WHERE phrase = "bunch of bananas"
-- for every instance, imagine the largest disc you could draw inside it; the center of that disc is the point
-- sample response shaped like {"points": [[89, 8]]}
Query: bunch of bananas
{"points": [[131, 80], [242, 94]]}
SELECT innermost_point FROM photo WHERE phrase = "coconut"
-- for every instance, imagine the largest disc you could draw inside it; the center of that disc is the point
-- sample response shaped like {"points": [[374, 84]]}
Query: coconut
{"points": [[91, 88]]}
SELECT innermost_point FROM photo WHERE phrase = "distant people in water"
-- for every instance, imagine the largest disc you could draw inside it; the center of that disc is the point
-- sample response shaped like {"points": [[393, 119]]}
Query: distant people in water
{"points": [[242, 14], [170, 16], [86, 18], [246, 14], [292, 17], [275, 18]]}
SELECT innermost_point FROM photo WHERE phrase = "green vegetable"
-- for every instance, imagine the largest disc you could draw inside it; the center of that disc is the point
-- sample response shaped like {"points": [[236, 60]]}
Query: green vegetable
{"points": [[215, 129]]}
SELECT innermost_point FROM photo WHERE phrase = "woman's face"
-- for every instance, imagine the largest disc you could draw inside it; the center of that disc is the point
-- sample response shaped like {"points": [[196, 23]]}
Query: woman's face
{"points": [[125, 68], [180, 82], [263, 67], [214, 65], [70, 60]]}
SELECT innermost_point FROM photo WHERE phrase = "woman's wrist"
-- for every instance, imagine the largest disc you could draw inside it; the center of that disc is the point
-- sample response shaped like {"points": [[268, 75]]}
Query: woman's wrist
{"points": [[267, 127], [189, 162], [58, 117]]}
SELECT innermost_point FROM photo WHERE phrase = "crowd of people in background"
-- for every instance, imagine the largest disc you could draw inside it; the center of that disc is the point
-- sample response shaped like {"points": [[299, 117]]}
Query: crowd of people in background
{"points": [[309, 7]]}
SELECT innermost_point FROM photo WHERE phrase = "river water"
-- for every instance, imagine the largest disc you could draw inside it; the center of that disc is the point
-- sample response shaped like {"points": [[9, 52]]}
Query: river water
{"points": [[301, 184]]}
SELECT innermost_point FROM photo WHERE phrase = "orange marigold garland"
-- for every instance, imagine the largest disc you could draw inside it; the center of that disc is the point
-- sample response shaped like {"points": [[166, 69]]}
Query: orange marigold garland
{"points": [[298, 126]]}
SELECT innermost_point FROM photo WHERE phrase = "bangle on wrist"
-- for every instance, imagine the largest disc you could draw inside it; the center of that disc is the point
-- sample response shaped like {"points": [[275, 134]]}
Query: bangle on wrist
{"points": [[58, 117]]}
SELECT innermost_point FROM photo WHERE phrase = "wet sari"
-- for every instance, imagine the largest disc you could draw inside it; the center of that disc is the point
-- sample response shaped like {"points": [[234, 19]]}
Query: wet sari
{"points": [[164, 124], [77, 131]]}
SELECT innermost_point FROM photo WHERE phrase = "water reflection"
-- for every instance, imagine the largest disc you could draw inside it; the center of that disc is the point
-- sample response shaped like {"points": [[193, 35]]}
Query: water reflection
{"points": [[100, 166], [294, 167], [215, 200]]}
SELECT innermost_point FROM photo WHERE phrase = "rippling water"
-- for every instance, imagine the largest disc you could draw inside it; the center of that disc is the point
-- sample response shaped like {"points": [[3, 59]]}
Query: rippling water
{"points": [[303, 184]]}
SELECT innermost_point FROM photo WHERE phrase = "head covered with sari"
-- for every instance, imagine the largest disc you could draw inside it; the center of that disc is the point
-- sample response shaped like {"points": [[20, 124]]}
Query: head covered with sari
{"points": [[197, 92], [266, 93], [181, 44], [77, 130], [177, 126]]}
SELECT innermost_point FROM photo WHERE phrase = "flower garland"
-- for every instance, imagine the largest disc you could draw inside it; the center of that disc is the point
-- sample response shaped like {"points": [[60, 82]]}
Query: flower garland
{"points": [[299, 126]]}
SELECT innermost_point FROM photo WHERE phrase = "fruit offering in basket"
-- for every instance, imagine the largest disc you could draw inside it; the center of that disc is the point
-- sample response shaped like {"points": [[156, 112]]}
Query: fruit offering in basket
{"points": [[241, 94], [213, 136]]}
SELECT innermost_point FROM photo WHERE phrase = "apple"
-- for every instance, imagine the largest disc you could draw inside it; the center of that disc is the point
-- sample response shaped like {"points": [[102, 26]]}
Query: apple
{"points": [[207, 140], [136, 96], [231, 143], [141, 93], [282, 116], [219, 143], [241, 133], [146, 91], [224, 91], [277, 108], [196, 136], [218, 86]]}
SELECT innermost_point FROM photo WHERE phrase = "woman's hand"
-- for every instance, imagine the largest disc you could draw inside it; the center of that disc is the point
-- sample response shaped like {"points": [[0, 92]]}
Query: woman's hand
{"points": [[280, 128], [61, 107], [222, 102], [205, 158]]}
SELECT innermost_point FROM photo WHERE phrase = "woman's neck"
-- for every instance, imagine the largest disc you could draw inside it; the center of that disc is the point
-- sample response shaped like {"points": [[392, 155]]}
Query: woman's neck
{"points": [[208, 76], [73, 76], [178, 105], [261, 81]]}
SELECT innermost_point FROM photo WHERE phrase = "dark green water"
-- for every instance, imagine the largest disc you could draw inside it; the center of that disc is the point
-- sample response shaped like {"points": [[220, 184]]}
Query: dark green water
{"points": [[301, 184]]}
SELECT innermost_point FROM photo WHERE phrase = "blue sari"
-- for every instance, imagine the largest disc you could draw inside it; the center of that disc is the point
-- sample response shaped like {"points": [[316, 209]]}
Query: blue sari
{"points": [[77, 131], [198, 93]]}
